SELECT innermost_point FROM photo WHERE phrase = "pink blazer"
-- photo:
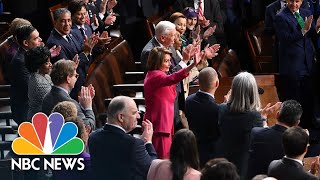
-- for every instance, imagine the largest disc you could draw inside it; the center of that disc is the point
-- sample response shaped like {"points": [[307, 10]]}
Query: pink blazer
{"points": [[160, 93], [160, 170]]}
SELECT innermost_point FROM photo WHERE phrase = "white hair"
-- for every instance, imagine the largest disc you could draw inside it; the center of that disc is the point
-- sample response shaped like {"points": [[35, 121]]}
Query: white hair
{"points": [[163, 27]]}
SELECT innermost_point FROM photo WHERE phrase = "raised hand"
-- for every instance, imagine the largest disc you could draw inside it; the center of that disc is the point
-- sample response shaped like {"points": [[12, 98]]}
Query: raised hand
{"points": [[76, 60], [55, 51], [209, 32], [85, 98], [103, 6], [211, 51], [307, 23], [111, 4], [95, 20], [146, 136], [270, 109], [110, 19], [104, 38], [204, 22], [90, 43], [196, 33], [91, 91]]}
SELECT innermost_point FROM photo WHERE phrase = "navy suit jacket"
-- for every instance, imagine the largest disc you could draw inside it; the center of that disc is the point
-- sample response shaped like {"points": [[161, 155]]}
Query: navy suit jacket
{"points": [[57, 95], [117, 155], [19, 87], [68, 51], [271, 11], [265, 146], [87, 29], [284, 169], [296, 54], [202, 114]]}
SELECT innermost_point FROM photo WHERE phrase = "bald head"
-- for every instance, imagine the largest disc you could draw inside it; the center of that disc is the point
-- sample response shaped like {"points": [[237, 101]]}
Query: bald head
{"points": [[208, 79], [123, 111]]}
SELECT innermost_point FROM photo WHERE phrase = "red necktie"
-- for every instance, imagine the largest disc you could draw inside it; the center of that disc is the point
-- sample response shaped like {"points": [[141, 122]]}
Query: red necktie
{"points": [[200, 11]]}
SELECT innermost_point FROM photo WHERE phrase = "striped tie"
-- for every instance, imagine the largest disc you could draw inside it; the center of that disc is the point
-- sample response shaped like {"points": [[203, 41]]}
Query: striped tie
{"points": [[200, 11]]}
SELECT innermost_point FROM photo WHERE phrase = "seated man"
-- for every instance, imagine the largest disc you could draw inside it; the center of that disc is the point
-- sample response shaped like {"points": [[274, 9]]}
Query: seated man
{"points": [[295, 143], [266, 144], [117, 155], [63, 35], [64, 77]]}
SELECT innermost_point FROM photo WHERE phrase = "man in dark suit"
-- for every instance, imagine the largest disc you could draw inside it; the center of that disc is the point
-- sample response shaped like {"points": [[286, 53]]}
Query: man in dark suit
{"points": [[295, 142], [28, 38], [63, 35], [114, 153], [266, 143], [64, 77], [296, 56], [211, 11], [271, 11], [202, 114]]}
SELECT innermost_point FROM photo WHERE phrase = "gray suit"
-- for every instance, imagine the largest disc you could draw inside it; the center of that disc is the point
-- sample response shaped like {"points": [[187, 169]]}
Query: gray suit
{"points": [[57, 95]]}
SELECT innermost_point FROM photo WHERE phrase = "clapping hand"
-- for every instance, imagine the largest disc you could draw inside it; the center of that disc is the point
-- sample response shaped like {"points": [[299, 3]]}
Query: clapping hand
{"points": [[307, 23], [55, 51], [211, 51], [209, 32], [76, 60], [146, 136], [204, 22], [104, 38], [270, 109]]}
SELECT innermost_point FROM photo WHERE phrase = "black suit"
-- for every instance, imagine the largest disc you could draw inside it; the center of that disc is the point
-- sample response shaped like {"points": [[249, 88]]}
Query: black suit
{"points": [[265, 146], [285, 169], [57, 95], [202, 114], [68, 51], [117, 155], [19, 87]]}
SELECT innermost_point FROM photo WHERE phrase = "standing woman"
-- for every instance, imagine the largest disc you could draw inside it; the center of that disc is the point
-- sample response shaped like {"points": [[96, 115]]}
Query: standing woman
{"points": [[160, 93], [237, 117], [39, 84]]}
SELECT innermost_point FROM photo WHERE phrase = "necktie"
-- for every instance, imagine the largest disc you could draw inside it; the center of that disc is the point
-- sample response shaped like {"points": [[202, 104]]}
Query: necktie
{"points": [[83, 33], [299, 19], [200, 10]]}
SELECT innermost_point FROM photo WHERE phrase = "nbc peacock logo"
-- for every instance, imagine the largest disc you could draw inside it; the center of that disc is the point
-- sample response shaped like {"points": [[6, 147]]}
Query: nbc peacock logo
{"points": [[48, 136]]}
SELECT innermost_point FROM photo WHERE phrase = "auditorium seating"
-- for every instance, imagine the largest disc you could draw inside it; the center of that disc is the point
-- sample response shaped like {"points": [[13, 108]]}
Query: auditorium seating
{"points": [[111, 70], [266, 82], [230, 65], [55, 7], [151, 23], [260, 47]]}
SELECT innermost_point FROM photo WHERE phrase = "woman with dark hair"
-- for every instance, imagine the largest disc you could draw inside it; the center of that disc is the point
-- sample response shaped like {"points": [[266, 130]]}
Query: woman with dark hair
{"points": [[39, 65], [219, 168], [160, 94], [183, 162], [237, 117]]}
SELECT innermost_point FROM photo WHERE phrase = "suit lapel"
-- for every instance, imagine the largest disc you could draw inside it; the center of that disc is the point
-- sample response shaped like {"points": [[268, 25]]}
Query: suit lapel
{"points": [[64, 42], [291, 16]]}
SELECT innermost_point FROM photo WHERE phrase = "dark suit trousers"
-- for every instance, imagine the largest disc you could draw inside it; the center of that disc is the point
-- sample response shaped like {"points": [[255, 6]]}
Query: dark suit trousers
{"points": [[299, 89]]}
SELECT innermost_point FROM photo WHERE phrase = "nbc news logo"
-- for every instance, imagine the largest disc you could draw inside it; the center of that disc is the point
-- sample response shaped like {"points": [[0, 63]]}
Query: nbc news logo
{"points": [[47, 136]]}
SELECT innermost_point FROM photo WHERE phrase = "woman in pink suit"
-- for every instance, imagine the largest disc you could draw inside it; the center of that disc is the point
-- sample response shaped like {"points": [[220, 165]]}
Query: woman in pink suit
{"points": [[160, 93]]}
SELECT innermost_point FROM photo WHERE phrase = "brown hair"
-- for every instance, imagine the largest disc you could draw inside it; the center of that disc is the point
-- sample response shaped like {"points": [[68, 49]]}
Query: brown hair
{"points": [[175, 16], [61, 69], [156, 57], [17, 23]]}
